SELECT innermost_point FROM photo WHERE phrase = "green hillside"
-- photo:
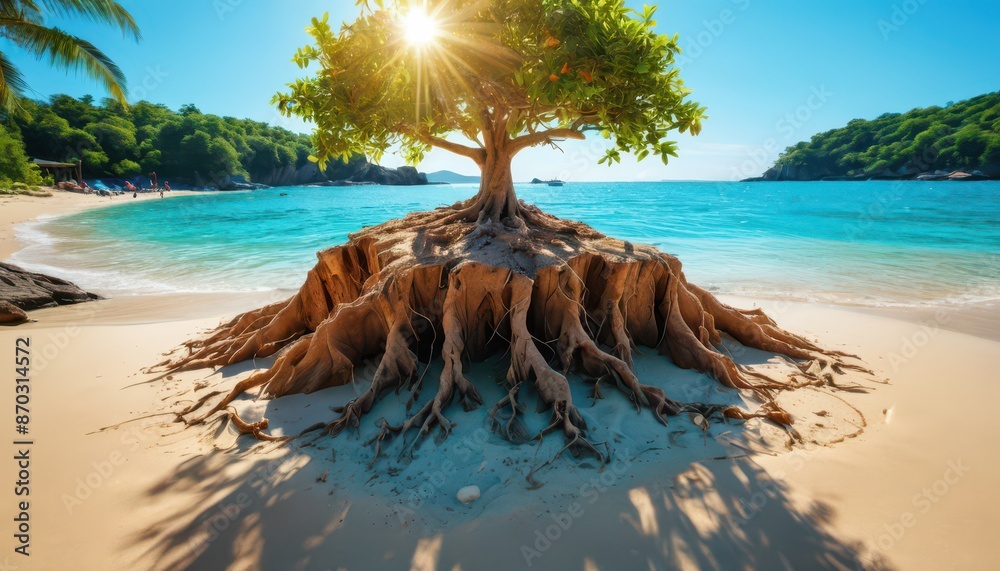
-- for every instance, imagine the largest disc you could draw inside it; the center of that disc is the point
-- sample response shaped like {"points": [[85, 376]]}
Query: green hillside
{"points": [[186, 146], [963, 136]]}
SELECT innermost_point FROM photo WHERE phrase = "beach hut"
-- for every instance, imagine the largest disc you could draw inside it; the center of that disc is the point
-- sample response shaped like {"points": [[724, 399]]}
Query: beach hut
{"points": [[61, 172]]}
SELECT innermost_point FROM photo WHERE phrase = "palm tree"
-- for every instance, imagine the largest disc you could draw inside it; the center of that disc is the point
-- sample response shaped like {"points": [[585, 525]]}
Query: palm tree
{"points": [[22, 23]]}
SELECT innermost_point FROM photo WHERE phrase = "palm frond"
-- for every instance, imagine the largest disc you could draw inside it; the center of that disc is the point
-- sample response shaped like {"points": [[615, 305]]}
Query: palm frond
{"points": [[12, 85], [26, 9], [100, 11], [67, 52]]}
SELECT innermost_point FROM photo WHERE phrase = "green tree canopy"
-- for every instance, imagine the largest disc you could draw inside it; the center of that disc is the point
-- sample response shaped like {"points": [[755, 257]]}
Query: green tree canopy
{"points": [[504, 74], [960, 136], [14, 165], [117, 141]]}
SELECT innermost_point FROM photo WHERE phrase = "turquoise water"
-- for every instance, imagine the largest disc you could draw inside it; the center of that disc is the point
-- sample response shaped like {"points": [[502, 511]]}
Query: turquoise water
{"points": [[876, 243]]}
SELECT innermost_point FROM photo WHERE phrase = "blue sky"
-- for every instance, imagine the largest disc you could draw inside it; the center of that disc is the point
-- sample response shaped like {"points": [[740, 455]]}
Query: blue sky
{"points": [[771, 72]]}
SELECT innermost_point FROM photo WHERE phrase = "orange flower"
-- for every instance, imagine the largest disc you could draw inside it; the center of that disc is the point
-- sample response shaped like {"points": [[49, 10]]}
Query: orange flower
{"points": [[551, 42], [565, 68], [553, 77], [587, 76]]}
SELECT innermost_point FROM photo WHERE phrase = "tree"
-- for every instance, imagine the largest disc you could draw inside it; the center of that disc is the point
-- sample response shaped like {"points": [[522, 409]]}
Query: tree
{"points": [[116, 137], [76, 112], [539, 75], [970, 143], [151, 161], [47, 135], [22, 22], [991, 156], [494, 273], [14, 165], [263, 156], [126, 169]]}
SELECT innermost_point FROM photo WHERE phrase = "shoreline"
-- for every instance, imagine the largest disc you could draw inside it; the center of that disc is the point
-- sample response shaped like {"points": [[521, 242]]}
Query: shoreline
{"points": [[18, 209]]}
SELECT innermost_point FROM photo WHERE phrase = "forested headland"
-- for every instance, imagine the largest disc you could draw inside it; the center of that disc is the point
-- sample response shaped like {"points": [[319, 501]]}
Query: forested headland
{"points": [[187, 147], [958, 141]]}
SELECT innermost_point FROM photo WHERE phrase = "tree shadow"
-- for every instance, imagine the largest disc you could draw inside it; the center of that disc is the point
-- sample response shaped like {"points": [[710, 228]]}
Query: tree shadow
{"points": [[721, 514], [673, 497]]}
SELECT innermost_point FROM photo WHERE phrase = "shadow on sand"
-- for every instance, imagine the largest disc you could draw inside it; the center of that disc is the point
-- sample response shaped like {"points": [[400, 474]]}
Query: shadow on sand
{"points": [[669, 498]]}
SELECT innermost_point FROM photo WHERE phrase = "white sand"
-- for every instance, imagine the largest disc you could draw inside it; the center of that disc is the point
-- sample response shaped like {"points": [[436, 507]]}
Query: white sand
{"points": [[156, 499]]}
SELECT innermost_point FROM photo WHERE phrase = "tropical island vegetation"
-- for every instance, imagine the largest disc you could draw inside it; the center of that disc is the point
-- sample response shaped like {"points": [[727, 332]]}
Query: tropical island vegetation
{"points": [[112, 140], [24, 28], [960, 141]]}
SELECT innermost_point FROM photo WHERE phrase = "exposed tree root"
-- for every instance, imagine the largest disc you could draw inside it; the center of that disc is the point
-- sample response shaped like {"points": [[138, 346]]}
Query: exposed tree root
{"points": [[256, 429], [556, 295]]}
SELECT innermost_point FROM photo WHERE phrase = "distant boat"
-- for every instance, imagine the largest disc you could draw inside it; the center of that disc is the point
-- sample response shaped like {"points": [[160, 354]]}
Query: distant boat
{"points": [[556, 183]]}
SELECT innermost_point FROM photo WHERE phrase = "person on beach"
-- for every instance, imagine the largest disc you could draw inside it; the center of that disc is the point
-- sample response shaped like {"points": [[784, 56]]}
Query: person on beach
{"points": [[166, 185]]}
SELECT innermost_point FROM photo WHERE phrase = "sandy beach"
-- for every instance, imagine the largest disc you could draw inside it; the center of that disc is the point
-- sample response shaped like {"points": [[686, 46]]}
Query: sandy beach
{"points": [[908, 493], [912, 491]]}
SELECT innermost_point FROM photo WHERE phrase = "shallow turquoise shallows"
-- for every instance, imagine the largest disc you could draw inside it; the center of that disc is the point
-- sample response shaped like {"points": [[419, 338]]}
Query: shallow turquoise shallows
{"points": [[875, 243]]}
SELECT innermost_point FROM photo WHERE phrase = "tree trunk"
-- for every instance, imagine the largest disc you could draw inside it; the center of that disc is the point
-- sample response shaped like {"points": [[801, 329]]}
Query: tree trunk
{"points": [[496, 200]]}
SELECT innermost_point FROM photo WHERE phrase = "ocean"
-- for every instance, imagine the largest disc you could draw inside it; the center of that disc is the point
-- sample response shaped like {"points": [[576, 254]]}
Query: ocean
{"points": [[881, 244]]}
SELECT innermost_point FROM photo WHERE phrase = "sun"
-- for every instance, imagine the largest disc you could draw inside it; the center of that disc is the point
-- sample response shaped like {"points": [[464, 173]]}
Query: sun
{"points": [[419, 27]]}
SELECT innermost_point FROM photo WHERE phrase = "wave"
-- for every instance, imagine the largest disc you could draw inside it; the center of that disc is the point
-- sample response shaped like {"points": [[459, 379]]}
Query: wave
{"points": [[47, 253], [32, 234], [115, 283], [980, 295]]}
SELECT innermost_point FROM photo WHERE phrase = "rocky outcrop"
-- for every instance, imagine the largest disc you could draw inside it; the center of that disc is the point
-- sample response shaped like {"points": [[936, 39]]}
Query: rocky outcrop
{"points": [[341, 174], [236, 182], [291, 176], [781, 172], [28, 290], [402, 176], [991, 170], [11, 314]]}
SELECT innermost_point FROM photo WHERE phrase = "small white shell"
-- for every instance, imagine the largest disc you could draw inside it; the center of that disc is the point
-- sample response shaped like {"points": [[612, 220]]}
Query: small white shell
{"points": [[468, 494]]}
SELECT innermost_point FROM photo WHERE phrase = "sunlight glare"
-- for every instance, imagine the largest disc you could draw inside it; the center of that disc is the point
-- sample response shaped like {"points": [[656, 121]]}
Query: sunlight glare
{"points": [[419, 27]]}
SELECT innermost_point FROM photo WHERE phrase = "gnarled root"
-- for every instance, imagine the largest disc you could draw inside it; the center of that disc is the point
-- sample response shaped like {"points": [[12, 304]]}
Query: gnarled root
{"points": [[527, 364], [552, 293], [339, 277]]}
